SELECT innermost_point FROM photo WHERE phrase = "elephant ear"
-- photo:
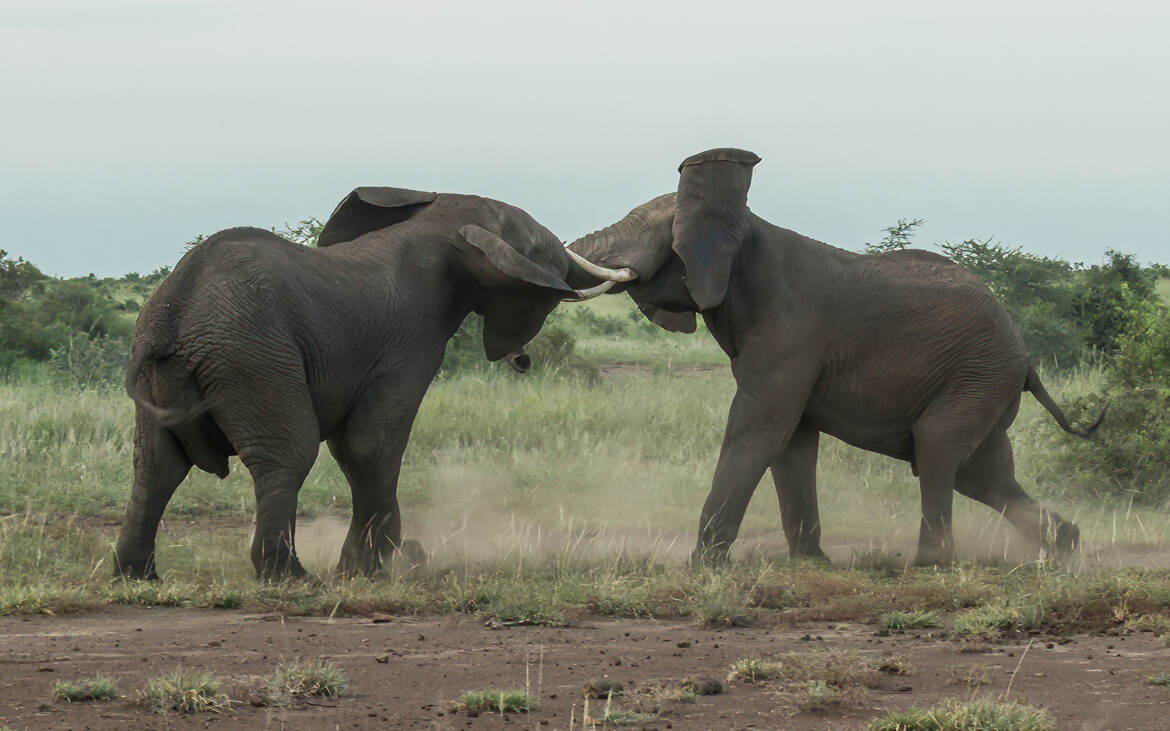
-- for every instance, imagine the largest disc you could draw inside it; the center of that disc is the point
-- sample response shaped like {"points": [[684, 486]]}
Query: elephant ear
{"points": [[675, 322], [711, 219], [504, 259], [369, 209]]}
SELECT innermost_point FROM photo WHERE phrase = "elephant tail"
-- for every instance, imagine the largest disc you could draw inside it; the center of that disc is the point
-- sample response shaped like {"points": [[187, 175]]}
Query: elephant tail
{"points": [[1033, 385], [164, 416]]}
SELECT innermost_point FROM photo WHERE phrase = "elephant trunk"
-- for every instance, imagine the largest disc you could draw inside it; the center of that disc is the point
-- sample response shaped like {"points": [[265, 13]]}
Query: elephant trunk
{"points": [[640, 242]]}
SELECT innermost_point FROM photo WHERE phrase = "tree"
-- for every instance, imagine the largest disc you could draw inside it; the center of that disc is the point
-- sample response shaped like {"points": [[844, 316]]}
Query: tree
{"points": [[897, 236]]}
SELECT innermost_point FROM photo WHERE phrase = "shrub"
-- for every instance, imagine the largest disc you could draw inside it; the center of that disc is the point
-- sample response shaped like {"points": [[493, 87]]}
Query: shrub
{"points": [[84, 363]]}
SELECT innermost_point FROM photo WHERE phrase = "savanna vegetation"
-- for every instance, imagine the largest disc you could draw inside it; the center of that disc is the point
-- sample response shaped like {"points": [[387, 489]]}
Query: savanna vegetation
{"points": [[573, 490]]}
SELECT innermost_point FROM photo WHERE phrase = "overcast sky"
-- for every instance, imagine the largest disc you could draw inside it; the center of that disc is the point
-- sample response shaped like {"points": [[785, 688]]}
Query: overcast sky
{"points": [[127, 127]]}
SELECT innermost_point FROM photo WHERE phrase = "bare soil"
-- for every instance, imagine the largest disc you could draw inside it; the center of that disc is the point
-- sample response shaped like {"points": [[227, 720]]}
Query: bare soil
{"points": [[409, 673]]}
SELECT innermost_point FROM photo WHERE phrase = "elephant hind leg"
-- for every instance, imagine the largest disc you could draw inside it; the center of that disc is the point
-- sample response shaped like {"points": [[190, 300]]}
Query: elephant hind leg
{"points": [[160, 464], [989, 477], [795, 475], [268, 417], [944, 438]]}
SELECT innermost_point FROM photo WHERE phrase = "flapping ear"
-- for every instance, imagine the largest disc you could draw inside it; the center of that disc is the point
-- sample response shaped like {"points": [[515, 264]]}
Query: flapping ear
{"points": [[711, 219], [675, 322], [369, 209], [506, 260]]}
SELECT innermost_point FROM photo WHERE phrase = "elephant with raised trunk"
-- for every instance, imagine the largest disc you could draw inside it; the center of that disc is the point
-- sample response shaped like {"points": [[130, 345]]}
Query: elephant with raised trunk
{"points": [[258, 347], [904, 353]]}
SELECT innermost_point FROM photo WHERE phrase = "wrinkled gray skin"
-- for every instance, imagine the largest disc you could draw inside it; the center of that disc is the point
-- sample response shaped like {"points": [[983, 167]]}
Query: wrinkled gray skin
{"points": [[263, 348], [906, 354]]}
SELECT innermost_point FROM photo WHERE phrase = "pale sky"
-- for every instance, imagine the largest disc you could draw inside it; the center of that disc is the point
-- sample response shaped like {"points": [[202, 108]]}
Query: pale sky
{"points": [[129, 127]]}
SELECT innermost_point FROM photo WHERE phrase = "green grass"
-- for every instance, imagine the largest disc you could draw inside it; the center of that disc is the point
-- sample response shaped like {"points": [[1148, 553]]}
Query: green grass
{"points": [[503, 701], [909, 620], [184, 691], [954, 715], [1162, 679], [97, 688], [544, 499]]}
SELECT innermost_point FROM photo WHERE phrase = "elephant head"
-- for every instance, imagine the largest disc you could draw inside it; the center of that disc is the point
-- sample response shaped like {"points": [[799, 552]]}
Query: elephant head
{"points": [[513, 269], [682, 246]]}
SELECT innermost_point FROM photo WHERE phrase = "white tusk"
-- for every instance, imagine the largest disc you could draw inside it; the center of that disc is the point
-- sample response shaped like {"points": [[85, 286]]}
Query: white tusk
{"points": [[610, 275], [580, 295]]}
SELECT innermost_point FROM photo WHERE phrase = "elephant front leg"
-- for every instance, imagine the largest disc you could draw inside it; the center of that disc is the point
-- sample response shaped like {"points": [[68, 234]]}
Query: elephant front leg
{"points": [[795, 475], [369, 451], [756, 432]]}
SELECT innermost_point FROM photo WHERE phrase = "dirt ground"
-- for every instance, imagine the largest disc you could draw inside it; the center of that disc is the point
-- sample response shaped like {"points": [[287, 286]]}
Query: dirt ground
{"points": [[408, 673]]}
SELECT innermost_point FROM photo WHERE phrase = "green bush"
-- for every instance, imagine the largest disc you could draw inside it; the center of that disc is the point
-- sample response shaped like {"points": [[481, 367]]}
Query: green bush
{"points": [[83, 362], [1131, 451]]}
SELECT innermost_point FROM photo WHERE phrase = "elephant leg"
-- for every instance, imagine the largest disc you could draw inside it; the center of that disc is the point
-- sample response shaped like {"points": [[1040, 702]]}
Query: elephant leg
{"points": [[369, 451], [758, 429], [945, 436], [160, 464], [795, 475], [989, 477], [268, 417]]}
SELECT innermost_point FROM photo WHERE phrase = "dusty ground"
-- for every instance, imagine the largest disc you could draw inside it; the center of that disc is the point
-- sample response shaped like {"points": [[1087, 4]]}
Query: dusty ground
{"points": [[408, 672]]}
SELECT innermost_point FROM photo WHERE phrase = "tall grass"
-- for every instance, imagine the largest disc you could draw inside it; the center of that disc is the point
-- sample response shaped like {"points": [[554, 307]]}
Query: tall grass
{"points": [[495, 456]]}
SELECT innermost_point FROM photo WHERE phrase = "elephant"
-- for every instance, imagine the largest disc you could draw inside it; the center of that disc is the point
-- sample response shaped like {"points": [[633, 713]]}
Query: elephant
{"points": [[258, 347], [903, 353]]}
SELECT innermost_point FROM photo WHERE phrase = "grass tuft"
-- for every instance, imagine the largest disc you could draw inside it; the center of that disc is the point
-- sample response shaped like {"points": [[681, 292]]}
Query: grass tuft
{"points": [[820, 697], [972, 676], [504, 701], [304, 679], [818, 681], [894, 665], [918, 619], [97, 688], [954, 715], [996, 620], [1162, 679], [185, 691]]}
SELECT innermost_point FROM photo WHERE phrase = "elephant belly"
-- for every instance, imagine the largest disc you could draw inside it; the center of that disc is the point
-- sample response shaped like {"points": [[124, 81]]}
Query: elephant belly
{"points": [[873, 429]]}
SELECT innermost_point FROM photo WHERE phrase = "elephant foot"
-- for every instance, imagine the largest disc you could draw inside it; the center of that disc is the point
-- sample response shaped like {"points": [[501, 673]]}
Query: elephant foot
{"points": [[710, 556], [366, 563], [1067, 539], [816, 555], [286, 569], [413, 554], [135, 570], [934, 556]]}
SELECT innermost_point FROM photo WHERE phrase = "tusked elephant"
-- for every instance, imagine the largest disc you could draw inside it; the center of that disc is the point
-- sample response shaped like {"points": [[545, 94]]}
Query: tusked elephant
{"points": [[905, 353], [258, 347]]}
